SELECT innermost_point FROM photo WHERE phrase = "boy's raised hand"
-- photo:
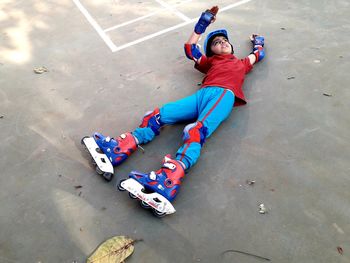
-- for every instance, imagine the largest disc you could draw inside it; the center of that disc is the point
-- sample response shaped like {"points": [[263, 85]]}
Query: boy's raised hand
{"points": [[258, 48], [257, 40], [205, 19]]}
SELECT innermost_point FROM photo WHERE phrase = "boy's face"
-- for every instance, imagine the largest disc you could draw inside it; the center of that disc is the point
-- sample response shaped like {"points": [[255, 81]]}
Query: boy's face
{"points": [[221, 46]]}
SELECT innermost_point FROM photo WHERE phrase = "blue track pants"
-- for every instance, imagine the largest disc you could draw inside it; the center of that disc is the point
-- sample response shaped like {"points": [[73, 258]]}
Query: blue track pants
{"points": [[210, 105]]}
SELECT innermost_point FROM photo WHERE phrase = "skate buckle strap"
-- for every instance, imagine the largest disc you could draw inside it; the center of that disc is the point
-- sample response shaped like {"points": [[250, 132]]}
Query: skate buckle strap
{"points": [[153, 176], [170, 166]]}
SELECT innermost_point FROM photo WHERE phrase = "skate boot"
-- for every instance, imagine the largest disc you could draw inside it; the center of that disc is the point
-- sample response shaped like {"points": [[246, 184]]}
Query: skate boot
{"points": [[157, 189], [108, 152]]}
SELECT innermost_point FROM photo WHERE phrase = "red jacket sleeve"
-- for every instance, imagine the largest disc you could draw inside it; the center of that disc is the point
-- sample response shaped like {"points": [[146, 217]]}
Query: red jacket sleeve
{"points": [[246, 62]]}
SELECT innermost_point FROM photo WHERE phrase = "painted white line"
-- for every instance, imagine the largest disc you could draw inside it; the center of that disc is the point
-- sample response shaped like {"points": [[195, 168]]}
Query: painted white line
{"points": [[142, 17], [173, 10], [174, 27], [234, 5], [154, 35], [131, 21], [114, 48], [94, 24]]}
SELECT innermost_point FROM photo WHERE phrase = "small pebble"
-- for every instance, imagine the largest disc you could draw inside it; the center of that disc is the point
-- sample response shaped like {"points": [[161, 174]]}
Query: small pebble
{"points": [[262, 209], [249, 182]]}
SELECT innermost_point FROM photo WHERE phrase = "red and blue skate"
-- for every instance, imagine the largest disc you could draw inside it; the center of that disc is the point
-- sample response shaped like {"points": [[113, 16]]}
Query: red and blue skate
{"points": [[108, 152], [156, 190]]}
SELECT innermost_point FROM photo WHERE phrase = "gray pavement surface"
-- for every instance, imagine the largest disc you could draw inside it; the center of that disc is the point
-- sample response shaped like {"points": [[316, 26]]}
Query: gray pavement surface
{"points": [[292, 137]]}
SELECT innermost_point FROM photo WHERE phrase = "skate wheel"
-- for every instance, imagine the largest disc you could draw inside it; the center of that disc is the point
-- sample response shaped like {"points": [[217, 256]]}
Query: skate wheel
{"points": [[82, 143], [120, 187], [82, 139], [98, 170], [107, 176], [132, 196], [99, 150], [158, 214], [145, 205]]}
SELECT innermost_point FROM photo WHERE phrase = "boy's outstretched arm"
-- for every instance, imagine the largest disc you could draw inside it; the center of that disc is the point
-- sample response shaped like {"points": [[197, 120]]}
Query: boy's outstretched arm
{"points": [[192, 50], [258, 52]]}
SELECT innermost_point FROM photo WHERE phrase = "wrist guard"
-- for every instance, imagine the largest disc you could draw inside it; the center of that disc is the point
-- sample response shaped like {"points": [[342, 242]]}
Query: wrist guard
{"points": [[258, 47], [257, 40], [205, 19]]}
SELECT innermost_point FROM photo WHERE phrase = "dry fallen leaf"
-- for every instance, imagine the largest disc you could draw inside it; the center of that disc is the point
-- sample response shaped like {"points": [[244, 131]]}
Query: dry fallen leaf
{"points": [[340, 250], [114, 250], [40, 70]]}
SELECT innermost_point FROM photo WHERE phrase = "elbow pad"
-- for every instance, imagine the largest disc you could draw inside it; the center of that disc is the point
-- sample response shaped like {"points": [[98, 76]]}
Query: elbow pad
{"points": [[192, 51]]}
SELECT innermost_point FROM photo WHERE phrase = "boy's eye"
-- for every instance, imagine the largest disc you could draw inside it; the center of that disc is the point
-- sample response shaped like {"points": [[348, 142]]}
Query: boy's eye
{"points": [[219, 41]]}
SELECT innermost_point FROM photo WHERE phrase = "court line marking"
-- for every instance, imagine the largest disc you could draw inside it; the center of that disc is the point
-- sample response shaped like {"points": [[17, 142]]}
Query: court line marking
{"points": [[130, 21], [234, 5], [115, 48], [132, 43], [96, 26], [173, 10], [141, 18], [161, 32]]}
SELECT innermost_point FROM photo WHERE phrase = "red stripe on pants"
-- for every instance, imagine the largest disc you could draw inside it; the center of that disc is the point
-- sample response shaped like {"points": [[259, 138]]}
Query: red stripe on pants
{"points": [[206, 115]]}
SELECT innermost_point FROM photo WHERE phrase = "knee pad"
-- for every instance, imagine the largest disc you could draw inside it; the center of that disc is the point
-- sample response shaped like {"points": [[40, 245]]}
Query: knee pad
{"points": [[195, 132], [152, 120]]}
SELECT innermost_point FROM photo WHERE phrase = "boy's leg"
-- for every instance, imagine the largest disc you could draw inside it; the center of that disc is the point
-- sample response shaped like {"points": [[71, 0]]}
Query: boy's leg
{"points": [[120, 148], [149, 127], [214, 107], [181, 110], [167, 180], [173, 112]]}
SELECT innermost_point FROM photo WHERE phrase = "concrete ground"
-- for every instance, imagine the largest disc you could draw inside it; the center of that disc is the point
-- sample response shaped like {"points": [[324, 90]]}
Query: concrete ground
{"points": [[292, 137]]}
